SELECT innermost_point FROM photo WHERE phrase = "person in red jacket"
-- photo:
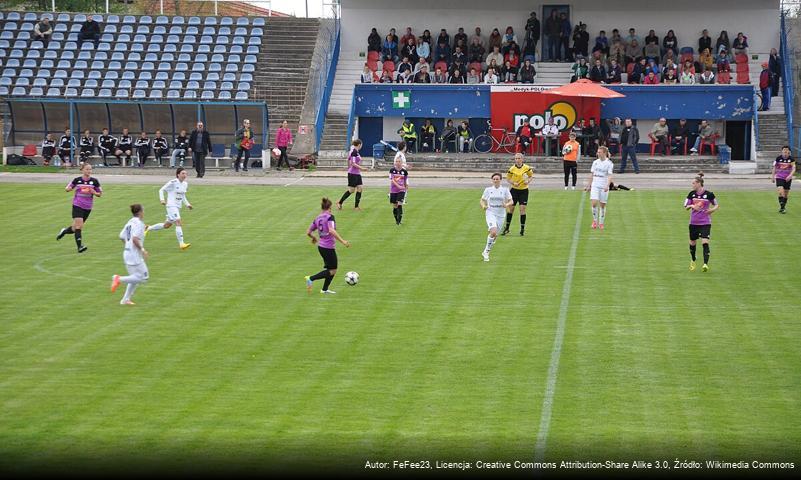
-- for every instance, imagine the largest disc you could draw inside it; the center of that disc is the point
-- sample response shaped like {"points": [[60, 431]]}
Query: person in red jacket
{"points": [[283, 139], [764, 86]]}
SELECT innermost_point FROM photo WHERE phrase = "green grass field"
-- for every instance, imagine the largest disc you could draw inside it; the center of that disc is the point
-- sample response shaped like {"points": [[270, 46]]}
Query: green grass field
{"points": [[226, 362]]}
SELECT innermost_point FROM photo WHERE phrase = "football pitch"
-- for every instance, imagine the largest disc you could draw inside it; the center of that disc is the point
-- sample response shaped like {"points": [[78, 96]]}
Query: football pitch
{"points": [[570, 344]]}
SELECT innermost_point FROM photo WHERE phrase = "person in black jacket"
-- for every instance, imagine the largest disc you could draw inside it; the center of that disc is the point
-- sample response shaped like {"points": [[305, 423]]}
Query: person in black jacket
{"points": [[142, 149], [532, 35], [87, 144], [775, 67], [48, 149], [581, 40], [90, 31], [106, 145], [680, 137], [160, 147], [124, 147], [629, 138], [199, 146], [244, 135], [66, 148], [374, 41], [598, 72], [179, 149]]}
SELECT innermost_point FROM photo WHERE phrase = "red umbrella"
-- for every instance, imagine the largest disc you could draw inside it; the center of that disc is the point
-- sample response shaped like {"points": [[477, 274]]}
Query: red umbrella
{"points": [[584, 88]]}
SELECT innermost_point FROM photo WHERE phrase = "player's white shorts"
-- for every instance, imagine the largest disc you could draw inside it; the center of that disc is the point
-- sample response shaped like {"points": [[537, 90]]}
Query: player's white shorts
{"points": [[597, 193], [139, 271], [494, 221], [173, 214]]}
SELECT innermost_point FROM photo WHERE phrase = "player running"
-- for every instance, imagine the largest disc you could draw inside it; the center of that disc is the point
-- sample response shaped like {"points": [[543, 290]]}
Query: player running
{"points": [[598, 186], [86, 188], [176, 198], [325, 226], [520, 176], [782, 173], [398, 184], [702, 204], [495, 201], [354, 175], [134, 255]]}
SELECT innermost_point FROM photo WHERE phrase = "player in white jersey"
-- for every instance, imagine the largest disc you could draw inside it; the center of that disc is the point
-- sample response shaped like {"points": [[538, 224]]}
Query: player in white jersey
{"points": [[176, 198], [495, 200], [598, 186], [134, 255]]}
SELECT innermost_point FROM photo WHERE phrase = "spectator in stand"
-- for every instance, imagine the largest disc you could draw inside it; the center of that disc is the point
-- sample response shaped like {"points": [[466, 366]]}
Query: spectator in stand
{"points": [[615, 127], [670, 77], [394, 36], [90, 31], [598, 72], [580, 69], [651, 37], [283, 139], [491, 77], [653, 65], [374, 41], [161, 148], [706, 60], [387, 77], [613, 73], [421, 62], [440, 76], [638, 72], [422, 76], [652, 51], [496, 56], [617, 52], [705, 41], [687, 76], [660, 133], [632, 37], [199, 147], [550, 137], [679, 137], [476, 51], [444, 37], [764, 86], [740, 44], [460, 36], [442, 53], [426, 36], [179, 149], [615, 37], [524, 135], [601, 43], [142, 145], [465, 137], [456, 77], [458, 59], [722, 43], [447, 141], [428, 133], [508, 73], [705, 133], [670, 42], [43, 31], [367, 74], [106, 145], [581, 41], [87, 144], [495, 40], [578, 129], [507, 39], [564, 37], [775, 67], [707, 77], [405, 68], [651, 79], [125, 147], [410, 51], [633, 52], [473, 77], [49, 150], [629, 139], [669, 61], [513, 58], [423, 49], [553, 32], [723, 64], [527, 72], [493, 65], [592, 136], [389, 50], [532, 35], [478, 37], [407, 36]]}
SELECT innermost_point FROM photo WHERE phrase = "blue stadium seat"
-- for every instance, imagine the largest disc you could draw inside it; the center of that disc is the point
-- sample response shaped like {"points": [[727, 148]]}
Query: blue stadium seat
{"points": [[159, 84], [47, 63], [5, 44], [70, 92], [184, 57], [72, 37], [176, 84], [220, 49], [207, 85], [111, 75], [229, 77], [250, 59], [12, 62], [156, 39], [121, 93], [204, 48], [151, 57], [79, 18], [181, 67], [236, 49], [118, 56], [26, 72], [242, 21], [80, 64], [145, 20], [14, 16], [57, 82], [20, 44], [226, 86], [142, 84], [11, 26], [238, 40], [39, 82], [70, 46], [223, 40], [241, 31], [43, 73], [19, 92], [137, 47], [198, 77], [246, 77], [258, 22], [113, 19], [108, 30], [191, 39], [114, 65], [84, 55], [162, 20], [215, 67], [154, 47], [65, 64], [63, 17], [74, 83], [210, 21], [127, 29], [30, 17], [226, 21], [178, 20], [129, 19], [199, 67], [248, 68], [145, 76], [209, 31], [176, 30], [91, 83], [170, 47], [98, 65], [253, 49], [160, 30], [194, 21], [213, 76], [125, 83], [121, 47], [36, 92], [3, 90], [128, 75], [26, 27], [224, 95], [168, 57], [87, 92], [16, 54], [104, 93], [23, 82], [207, 95], [101, 56], [139, 38], [173, 39], [162, 76], [59, 29], [109, 84], [7, 36], [50, 54], [55, 41], [75, 28], [206, 40], [187, 48], [224, 31], [37, 44], [87, 46], [134, 57], [156, 94], [131, 66], [254, 41], [77, 74], [32, 56], [165, 66], [242, 96], [193, 85], [139, 94], [217, 58], [173, 94], [190, 94], [257, 32], [94, 75], [191, 30]]}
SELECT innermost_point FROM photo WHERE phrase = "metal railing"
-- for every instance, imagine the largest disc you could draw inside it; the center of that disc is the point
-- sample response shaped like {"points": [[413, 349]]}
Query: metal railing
{"points": [[322, 81], [786, 54]]}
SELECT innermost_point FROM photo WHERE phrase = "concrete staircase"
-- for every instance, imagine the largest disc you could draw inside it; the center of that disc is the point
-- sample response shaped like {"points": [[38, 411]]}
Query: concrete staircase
{"points": [[335, 135], [552, 73], [283, 72], [348, 74], [772, 137]]}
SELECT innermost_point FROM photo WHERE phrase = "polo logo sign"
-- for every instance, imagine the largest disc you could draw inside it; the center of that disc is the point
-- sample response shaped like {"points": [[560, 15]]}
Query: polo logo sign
{"points": [[401, 99]]}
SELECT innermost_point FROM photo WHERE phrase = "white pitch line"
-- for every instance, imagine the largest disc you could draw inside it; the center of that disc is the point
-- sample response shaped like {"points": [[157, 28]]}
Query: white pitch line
{"points": [[553, 369], [296, 181], [38, 266]]}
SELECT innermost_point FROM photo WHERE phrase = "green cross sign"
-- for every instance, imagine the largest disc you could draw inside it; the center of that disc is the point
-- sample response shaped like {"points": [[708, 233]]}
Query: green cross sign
{"points": [[401, 99]]}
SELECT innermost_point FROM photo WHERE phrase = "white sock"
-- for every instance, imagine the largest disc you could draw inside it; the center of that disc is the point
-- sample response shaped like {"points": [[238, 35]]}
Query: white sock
{"points": [[603, 215], [129, 291], [490, 242], [595, 213], [158, 226], [179, 233]]}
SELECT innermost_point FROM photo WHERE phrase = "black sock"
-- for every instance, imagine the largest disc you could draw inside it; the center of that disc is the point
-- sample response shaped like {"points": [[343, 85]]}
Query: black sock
{"points": [[395, 214], [319, 275], [706, 252], [358, 198], [344, 197], [78, 238], [400, 213], [327, 281], [781, 201], [68, 231], [692, 252], [508, 221], [522, 222]]}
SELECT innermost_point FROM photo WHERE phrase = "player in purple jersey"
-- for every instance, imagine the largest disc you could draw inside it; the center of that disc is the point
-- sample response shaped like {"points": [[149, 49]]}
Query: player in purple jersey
{"points": [[326, 238], [398, 184], [783, 172], [354, 175], [86, 187], [702, 204]]}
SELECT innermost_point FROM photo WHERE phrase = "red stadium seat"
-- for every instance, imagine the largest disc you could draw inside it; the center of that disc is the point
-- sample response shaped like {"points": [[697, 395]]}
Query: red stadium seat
{"points": [[442, 65], [372, 64], [710, 144], [477, 66], [372, 55], [29, 150], [687, 56], [655, 143], [389, 66]]}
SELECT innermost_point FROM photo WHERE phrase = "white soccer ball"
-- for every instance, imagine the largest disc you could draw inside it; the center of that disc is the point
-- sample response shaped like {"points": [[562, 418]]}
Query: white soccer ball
{"points": [[567, 149], [351, 278]]}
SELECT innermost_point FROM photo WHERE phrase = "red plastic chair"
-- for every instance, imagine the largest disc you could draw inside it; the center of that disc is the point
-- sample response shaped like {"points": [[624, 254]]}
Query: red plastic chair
{"points": [[29, 150], [654, 144], [372, 65], [389, 66], [372, 55], [476, 65], [442, 65], [711, 144]]}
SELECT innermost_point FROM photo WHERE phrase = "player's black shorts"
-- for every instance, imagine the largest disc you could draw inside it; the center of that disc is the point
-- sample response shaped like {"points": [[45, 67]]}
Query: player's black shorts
{"points": [[519, 196], [329, 257], [354, 179], [784, 183], [397, 197], [700, 231], [78, 212]]}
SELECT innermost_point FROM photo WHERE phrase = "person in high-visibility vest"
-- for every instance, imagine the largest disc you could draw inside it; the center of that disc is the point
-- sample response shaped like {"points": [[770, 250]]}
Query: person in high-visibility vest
{"points": [[408, 134]]}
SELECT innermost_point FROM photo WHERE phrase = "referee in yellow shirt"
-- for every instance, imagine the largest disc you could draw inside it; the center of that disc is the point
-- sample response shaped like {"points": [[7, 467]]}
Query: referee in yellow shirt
{"points": [[519, 176]]}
